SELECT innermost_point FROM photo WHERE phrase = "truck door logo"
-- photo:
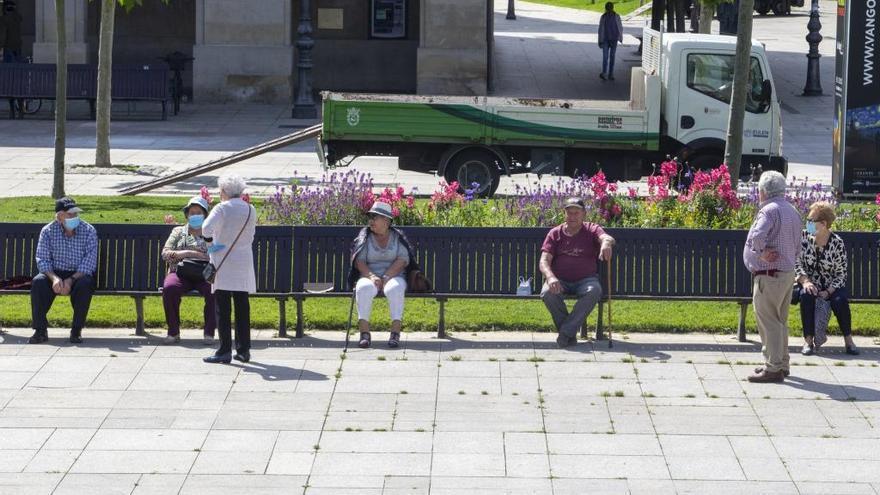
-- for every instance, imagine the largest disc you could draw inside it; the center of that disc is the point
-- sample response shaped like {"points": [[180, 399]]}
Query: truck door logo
{"points": [[354, 116], [610, 122]]}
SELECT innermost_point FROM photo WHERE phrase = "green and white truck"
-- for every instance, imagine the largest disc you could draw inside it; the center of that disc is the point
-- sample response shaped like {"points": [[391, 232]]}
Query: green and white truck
{"points": [[679, 105]]}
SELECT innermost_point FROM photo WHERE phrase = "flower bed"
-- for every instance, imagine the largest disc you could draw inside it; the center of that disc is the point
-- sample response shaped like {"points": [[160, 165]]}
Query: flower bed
{"points": [[676, 198]]}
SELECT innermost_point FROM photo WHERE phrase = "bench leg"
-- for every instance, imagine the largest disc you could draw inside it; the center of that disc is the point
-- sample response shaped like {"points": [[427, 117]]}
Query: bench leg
{"points": [[92, 110], [139, 311], [11, 109], [599, 334], [282, 317], [164, 111], [441, 322], [743, 309], [299, 318]]}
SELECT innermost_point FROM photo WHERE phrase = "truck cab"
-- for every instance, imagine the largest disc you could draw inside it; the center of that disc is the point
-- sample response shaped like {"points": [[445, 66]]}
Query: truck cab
{"points": [[697, 74]]}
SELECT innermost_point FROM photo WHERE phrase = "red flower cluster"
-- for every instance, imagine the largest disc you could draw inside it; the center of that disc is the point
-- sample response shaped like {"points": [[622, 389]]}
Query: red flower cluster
{"points": [[604, 194], [205, 194], [397, 198], [717, 182], [658, 185], [447, 196]]}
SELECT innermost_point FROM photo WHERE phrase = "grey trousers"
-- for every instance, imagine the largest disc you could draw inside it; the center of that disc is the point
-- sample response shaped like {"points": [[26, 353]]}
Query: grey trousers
{"points": [[588, 290]]}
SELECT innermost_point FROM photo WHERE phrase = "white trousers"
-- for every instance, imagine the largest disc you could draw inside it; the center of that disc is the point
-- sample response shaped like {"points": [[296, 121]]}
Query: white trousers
{"points": [[394, 290]]}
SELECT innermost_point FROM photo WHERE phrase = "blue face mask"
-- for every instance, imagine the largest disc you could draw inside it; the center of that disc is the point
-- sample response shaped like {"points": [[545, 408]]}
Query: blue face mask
{"points": [[71, 223], [811, 227], [196, 221]]}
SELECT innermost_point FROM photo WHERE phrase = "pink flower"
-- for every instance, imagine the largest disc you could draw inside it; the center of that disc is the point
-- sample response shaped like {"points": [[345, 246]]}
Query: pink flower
{"points": [[632, 192], [877, 199], [395, 211], [205, 194], [410, 202]]}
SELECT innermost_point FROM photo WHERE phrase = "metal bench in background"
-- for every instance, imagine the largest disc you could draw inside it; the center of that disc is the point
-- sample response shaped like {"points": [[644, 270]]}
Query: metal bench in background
{"points": [[131, 82]]}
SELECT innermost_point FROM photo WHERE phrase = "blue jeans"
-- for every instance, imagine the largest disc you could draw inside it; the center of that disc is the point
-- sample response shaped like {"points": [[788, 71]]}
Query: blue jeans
{"points": [[608, 51], [588, 291]]}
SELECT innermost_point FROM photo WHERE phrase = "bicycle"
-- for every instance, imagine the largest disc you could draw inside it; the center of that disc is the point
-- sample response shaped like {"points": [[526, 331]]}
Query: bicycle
{"points": [[27, 106]]}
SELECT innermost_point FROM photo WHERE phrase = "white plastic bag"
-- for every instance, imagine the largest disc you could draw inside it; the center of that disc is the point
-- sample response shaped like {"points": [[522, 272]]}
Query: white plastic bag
{"points": [[525, 287]]}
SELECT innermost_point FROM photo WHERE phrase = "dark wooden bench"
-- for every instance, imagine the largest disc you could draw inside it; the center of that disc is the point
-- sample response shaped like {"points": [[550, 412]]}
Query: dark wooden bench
{"points": [[142, 82], [648, 264], [130, 263]]}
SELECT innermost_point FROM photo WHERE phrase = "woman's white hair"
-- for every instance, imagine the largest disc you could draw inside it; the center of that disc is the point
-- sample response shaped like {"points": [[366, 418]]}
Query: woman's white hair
{"points": [[232, 185], [772, 184]]}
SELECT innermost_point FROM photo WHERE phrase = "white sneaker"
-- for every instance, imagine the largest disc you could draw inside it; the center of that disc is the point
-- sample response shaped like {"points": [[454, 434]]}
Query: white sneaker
{"points": [[208, 340], [171, 339]]}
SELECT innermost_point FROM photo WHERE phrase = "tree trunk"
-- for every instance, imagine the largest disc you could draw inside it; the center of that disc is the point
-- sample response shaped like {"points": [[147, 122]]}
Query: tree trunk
{"points": [[105, 71], [60, 100], [679, 17], [733, 152], [707, 12]]}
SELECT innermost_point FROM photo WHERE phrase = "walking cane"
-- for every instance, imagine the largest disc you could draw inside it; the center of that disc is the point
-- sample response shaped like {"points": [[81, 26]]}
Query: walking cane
{"points": [[610, 340], [348, 330]]}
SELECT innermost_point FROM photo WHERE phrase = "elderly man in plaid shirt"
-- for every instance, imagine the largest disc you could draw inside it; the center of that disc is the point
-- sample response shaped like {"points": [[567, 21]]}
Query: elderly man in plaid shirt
{"points": [[67, 255]]}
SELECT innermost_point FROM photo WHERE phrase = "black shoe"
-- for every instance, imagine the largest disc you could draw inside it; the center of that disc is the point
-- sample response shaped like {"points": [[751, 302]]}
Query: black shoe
{"points": [[808, 350], [242, 356], [610, 77], [602, 75], [760, 370], [365, 341], [852, 350], [394, 340], [564, 341], [219, 358], [39, 337], [75, 337]]}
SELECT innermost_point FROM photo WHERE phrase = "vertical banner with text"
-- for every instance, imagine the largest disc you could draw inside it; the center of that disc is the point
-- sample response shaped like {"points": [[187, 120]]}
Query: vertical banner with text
{"points": [[856, 135]]}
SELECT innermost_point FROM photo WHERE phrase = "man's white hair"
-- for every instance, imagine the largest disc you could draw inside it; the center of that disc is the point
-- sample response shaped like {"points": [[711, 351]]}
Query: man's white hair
{"points": [[232, 185], [772, 184]]}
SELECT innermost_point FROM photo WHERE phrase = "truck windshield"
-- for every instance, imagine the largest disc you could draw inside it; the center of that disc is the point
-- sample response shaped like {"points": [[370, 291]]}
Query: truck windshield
{"points": [[712, 74]]}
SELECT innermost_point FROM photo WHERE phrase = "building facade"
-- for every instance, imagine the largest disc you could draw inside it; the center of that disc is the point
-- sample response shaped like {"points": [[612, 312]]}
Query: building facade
{"points": [[246, 50]]}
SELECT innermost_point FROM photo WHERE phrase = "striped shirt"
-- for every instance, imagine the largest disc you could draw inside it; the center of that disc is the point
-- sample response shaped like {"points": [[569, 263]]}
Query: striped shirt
{"points": [[57, 252], [777, 227]]}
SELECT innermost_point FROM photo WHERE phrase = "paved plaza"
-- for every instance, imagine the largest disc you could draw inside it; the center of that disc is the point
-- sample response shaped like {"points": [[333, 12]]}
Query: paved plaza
{"points": [[475, 413], [489, 413]]}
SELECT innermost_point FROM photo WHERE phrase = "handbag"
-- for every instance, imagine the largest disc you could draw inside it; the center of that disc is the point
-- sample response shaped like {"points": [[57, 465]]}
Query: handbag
{"points": [[191, 270], [209, 272], [416, 281], [525, 287]]}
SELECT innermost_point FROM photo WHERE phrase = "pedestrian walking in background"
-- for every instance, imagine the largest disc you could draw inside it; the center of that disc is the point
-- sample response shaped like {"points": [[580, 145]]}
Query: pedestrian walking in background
{"points": [[610, 34]]}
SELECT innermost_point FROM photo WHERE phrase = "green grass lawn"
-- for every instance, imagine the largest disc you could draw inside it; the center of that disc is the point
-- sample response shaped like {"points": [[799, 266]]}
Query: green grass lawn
{"points": [[621, 7], [421, 315], [99, 209]]}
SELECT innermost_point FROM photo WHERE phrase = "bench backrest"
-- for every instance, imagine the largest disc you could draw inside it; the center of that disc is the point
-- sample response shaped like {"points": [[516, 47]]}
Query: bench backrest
{"points": [[659, 262], [130, 81], [647, 262], [129, 256]]}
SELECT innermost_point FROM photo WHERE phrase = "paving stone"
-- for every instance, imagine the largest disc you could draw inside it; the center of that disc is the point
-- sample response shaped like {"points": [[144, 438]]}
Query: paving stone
{"points": [[134, 461], [231, 462], [111, 484]]}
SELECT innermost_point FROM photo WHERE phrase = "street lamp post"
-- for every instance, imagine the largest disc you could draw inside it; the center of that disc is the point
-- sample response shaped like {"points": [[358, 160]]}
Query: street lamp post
{"points": [[813, 86], [511, 12], [304, 104]]}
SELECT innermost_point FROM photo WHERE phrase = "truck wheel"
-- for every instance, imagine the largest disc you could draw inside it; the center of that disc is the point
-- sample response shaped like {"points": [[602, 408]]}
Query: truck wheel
{"points": [[706, 160], [762, 7], [471, 166]]}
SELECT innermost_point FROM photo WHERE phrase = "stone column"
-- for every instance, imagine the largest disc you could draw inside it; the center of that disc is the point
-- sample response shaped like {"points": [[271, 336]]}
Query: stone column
{"points": [[45, 39], [452, 54], [243, 51]]}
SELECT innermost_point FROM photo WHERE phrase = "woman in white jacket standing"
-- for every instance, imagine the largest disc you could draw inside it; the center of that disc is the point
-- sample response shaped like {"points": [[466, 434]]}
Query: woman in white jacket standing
{"points": [[231, 226]]}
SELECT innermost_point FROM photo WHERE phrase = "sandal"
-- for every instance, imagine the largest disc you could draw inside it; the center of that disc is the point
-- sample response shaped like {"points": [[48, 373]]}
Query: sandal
{"points": [[394, 341], [365, 340]]}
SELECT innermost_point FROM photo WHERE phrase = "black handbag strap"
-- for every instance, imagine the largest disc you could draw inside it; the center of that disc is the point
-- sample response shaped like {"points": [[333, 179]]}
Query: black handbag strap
{"points": [[248, 219]]}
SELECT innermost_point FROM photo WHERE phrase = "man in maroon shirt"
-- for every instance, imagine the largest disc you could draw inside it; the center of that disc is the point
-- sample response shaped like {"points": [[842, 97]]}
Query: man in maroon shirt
{"points": [[569, 265]]}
